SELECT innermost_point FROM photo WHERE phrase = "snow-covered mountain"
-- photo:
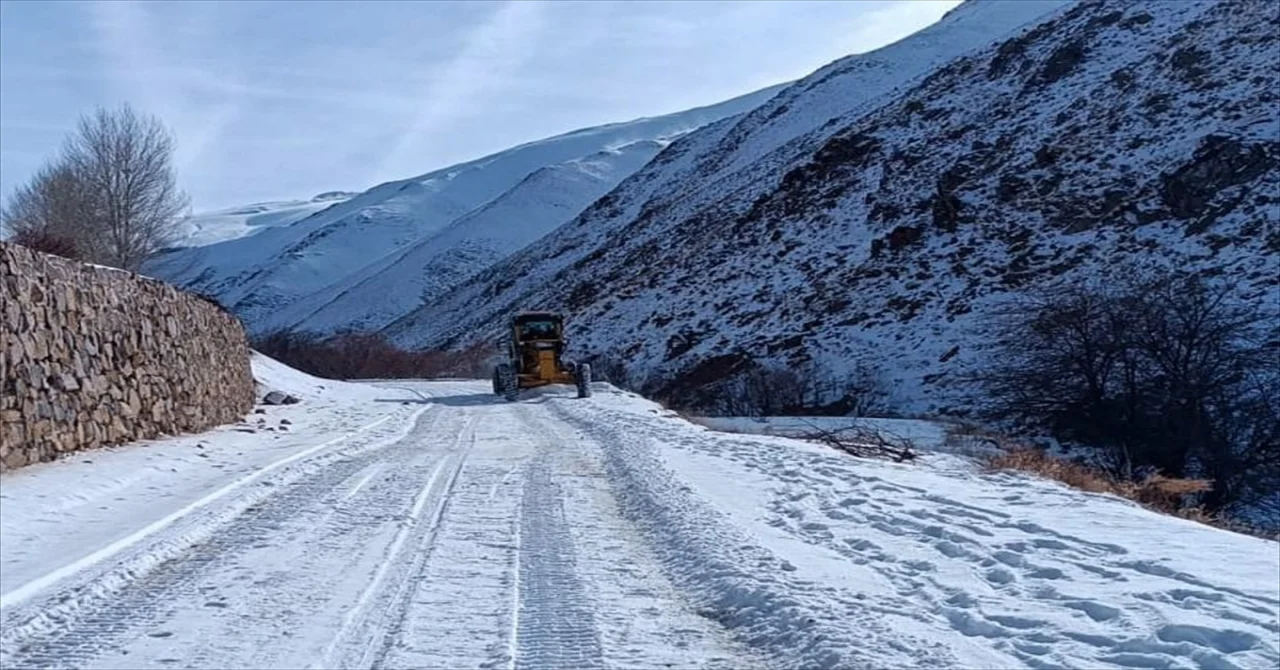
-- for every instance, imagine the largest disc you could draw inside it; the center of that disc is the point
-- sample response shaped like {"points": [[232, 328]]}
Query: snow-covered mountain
{"points": [[229, 224], [971, 161], [327, 254], [399, 283]]}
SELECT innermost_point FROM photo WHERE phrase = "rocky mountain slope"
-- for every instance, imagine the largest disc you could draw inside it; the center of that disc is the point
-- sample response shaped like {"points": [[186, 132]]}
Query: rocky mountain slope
{"points": [[260, 275], [1105, 136]]}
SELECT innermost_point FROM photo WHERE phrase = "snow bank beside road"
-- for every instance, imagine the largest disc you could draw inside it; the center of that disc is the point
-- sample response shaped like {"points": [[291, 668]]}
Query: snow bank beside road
{"points": [[72, 508], [827, 559]]}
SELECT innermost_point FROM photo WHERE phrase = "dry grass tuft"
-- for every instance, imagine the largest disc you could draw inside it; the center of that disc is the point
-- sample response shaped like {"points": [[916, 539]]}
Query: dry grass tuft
{"points": [[1075, 475], [1167, 495], [1157, 492]]}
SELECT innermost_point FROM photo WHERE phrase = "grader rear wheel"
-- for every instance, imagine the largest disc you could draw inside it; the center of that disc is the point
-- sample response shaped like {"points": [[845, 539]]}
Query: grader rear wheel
{"points": [[506, 382]]}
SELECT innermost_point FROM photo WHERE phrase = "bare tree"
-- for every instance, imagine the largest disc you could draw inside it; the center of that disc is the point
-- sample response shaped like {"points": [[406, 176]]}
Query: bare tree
{"points": [[125, 160], [1171, 375], [112, 191]]}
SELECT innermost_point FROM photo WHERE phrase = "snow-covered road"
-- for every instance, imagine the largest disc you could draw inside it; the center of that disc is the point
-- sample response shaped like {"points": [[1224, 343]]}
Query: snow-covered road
{"points": [[428, 524]]}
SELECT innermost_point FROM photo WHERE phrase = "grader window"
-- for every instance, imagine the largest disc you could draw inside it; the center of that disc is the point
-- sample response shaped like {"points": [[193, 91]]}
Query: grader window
{"points": [[538, 330]]}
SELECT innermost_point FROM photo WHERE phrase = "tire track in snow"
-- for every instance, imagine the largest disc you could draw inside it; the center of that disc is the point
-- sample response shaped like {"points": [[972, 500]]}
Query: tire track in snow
{"points": [[553, 625], [737, 582], [642, 620], [382, 633], [81, 627], [26, 592], [371, 471], [459, 608]]}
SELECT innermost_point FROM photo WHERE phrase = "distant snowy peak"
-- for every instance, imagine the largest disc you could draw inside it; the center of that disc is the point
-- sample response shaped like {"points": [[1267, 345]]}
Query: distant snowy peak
{"points": [[398, 284], [228, 224], [334, 196]]}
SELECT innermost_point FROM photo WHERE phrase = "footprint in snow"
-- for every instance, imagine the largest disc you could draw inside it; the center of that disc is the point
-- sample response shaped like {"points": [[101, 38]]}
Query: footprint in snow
{"points": [[1016, 622], [1102, 572], [859, 544], [1010, 558], [1046, 573], [1226, 641], [976, 530], [1095, 610], [919, 566], [999, 577], [952, 550]]}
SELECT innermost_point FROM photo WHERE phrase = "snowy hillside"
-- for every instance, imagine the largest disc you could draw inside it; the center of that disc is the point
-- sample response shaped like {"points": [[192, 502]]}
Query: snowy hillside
{"points": [[1111, 134], [229, 224], [400, 283], [692, 168], [430, 525], [258, 276]]}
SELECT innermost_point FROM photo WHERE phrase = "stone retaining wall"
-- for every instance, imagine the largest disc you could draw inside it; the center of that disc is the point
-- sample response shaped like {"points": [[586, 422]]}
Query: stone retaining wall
{"points": [[91, 356]]}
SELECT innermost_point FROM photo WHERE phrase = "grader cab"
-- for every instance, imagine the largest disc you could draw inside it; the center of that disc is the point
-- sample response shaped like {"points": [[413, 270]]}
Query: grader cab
{"points": [[535, 357]]}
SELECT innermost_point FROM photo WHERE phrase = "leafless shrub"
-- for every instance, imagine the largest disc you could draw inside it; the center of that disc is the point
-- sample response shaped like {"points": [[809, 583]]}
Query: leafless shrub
{"points": [[765, 391], [370, 356], [860, 392], [863, 441], [112, 189], [1071, 473], [807, 390], [50, 211], [48, 242], [1168, 375]]}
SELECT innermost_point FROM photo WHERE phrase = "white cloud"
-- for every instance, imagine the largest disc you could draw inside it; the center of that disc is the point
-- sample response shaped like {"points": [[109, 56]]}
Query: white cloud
{"points": [[273, 100], [492, 54], [146, 74]]}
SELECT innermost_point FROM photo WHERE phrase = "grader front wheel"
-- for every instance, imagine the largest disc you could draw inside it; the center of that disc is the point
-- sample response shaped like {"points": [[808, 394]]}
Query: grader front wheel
{"points": [[582, 378]]}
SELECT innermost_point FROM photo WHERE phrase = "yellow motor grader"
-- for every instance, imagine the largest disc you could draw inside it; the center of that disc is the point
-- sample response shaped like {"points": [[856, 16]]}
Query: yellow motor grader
{"points": [[535, 357]]}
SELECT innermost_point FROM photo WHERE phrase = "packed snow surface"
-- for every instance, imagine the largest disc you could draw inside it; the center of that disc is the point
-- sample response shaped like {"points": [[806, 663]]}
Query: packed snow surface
{"points": [[430, 524]]}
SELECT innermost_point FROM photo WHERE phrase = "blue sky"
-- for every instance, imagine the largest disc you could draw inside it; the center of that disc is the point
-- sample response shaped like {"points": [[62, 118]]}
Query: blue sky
{"points": [[287, 99]]}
